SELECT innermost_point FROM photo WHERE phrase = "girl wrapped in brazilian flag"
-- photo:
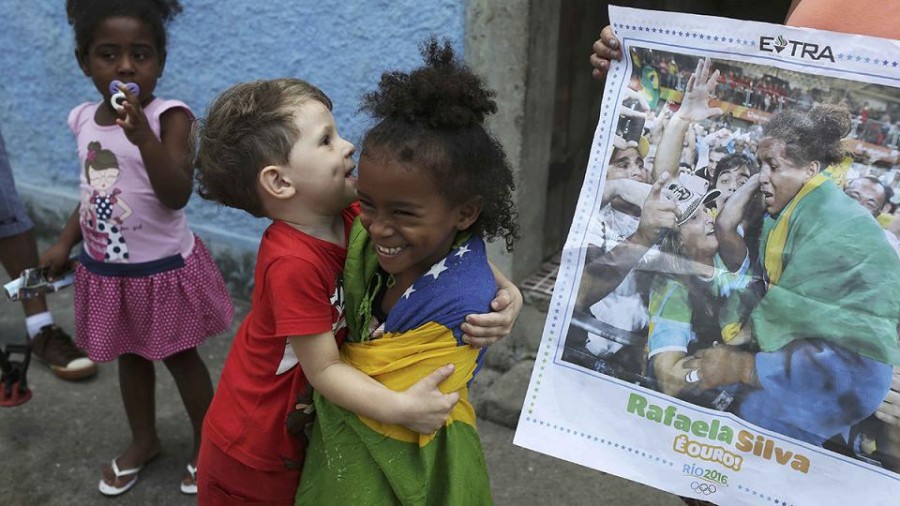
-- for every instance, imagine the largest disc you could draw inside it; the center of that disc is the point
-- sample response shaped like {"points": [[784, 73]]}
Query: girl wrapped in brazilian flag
{"points": [[432, 184]]}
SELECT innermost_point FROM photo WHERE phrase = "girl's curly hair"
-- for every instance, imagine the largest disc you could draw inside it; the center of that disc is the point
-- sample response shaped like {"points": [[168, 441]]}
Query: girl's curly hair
{"points": [[85, 15], [433, 118]]}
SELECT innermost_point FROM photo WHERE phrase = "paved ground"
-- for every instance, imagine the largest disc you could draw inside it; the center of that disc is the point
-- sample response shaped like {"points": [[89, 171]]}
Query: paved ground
{"points": [[52, 448]]}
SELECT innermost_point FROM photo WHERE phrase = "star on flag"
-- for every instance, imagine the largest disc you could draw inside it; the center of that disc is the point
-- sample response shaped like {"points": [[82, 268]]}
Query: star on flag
{"points": [[437, 268]]}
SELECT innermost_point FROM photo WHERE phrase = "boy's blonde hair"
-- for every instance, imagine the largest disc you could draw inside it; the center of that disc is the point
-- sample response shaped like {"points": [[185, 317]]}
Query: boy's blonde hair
{"points": [[248, 127]]}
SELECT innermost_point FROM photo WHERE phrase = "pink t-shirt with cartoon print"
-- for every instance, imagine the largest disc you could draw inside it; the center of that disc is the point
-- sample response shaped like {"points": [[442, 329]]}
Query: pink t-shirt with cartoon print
{"points": [[122, 220]]}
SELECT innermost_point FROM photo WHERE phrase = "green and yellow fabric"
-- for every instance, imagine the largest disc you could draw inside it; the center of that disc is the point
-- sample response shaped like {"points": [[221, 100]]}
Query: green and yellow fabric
{"points": [[355, 460], [831, 274]]}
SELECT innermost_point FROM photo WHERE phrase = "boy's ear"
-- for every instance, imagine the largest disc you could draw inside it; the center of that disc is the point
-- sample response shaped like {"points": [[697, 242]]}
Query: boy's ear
{"points": [[162, 64], [469, 212], [83, 62], [274, 183]]}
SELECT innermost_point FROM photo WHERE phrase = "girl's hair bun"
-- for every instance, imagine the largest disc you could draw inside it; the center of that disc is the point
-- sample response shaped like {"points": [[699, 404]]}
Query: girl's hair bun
{"points": [[833, 121], [813, 135], [442, 94]]}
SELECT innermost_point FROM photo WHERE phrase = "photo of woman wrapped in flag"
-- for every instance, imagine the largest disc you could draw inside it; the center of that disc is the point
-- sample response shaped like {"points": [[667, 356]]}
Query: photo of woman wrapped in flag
{"points": [[738, 261], [818, 299]]}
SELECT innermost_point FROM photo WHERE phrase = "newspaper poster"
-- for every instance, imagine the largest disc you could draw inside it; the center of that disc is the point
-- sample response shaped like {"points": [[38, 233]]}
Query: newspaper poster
{"points": [[724, 325]]}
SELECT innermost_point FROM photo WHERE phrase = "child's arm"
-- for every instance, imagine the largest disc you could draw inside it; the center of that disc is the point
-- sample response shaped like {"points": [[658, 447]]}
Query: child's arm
{"points": [[422, 408], [56, 257], [485, 329], [732, 247], [167, 160]]}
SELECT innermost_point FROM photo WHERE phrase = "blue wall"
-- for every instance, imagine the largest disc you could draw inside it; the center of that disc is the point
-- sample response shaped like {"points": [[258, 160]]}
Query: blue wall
{"points": [[340, 46]]}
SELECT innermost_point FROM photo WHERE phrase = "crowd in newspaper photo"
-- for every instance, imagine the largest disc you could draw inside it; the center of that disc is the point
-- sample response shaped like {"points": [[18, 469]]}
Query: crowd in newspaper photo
{"points": [[744, 256]]}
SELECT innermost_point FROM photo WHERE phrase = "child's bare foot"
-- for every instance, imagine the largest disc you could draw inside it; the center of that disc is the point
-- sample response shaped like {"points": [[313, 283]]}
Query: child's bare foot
{"points": [[128, 465]]}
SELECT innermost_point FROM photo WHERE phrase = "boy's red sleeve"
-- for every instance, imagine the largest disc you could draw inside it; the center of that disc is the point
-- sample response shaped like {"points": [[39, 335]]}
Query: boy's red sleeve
{"points": [[299, 296]]}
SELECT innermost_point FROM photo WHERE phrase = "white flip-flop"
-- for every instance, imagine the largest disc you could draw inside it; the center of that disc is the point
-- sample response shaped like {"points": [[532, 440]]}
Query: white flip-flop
{"points": [[112, 490], [192, 488]]}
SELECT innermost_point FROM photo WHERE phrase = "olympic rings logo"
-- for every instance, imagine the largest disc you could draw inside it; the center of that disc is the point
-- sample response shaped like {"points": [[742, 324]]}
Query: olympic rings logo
{"points": [[703, 488]]}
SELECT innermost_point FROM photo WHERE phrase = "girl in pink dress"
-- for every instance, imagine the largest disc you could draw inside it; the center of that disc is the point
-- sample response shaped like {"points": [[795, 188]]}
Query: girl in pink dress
{"points": [[146, 288]]}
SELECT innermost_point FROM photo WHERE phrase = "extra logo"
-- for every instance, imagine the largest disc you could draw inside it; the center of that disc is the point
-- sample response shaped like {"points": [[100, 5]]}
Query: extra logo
{"points": [[795, 48]]}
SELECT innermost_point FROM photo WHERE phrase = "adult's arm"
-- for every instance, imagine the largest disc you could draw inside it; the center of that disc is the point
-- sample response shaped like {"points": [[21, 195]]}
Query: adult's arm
{"points": [[56, 257], [604, 272], [794, 4], [723, 365], [671, 372], [694, 107], [631, 191], [482, 330], [732, 247]]}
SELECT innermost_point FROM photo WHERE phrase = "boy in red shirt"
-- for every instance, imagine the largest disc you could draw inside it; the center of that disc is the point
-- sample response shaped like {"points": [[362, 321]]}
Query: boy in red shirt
{"points": [[272, 149]]}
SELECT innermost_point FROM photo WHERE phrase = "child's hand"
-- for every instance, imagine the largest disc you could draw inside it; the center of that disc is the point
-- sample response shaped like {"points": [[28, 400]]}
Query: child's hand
{"points": [[55, 259], [428, 407], [133, 120], [486, 329], [606, 48]]}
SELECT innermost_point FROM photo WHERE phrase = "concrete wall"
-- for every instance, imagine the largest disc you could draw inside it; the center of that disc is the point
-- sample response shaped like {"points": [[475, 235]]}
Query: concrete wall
{"points": [[513, 44], [341, 46]]}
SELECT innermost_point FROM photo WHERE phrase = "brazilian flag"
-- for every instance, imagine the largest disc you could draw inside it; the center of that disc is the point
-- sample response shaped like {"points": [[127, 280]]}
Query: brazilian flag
{"points": [[832, 275], [356, 460], [650, 85]]}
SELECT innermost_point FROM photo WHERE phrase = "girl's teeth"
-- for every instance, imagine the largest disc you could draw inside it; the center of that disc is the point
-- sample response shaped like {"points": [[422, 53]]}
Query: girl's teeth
{"points": [[389, 251]]}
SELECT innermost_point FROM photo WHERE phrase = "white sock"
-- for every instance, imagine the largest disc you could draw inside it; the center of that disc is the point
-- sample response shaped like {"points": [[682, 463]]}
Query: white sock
{"points": [[36, 322]]}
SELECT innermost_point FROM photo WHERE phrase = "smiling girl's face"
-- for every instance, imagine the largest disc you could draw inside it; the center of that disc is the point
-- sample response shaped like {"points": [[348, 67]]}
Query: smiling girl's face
{"points": [[411, 223]]}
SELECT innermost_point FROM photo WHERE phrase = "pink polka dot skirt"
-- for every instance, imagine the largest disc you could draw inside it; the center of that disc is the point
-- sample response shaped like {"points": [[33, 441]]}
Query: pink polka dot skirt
{"points": [[153, 316]]}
